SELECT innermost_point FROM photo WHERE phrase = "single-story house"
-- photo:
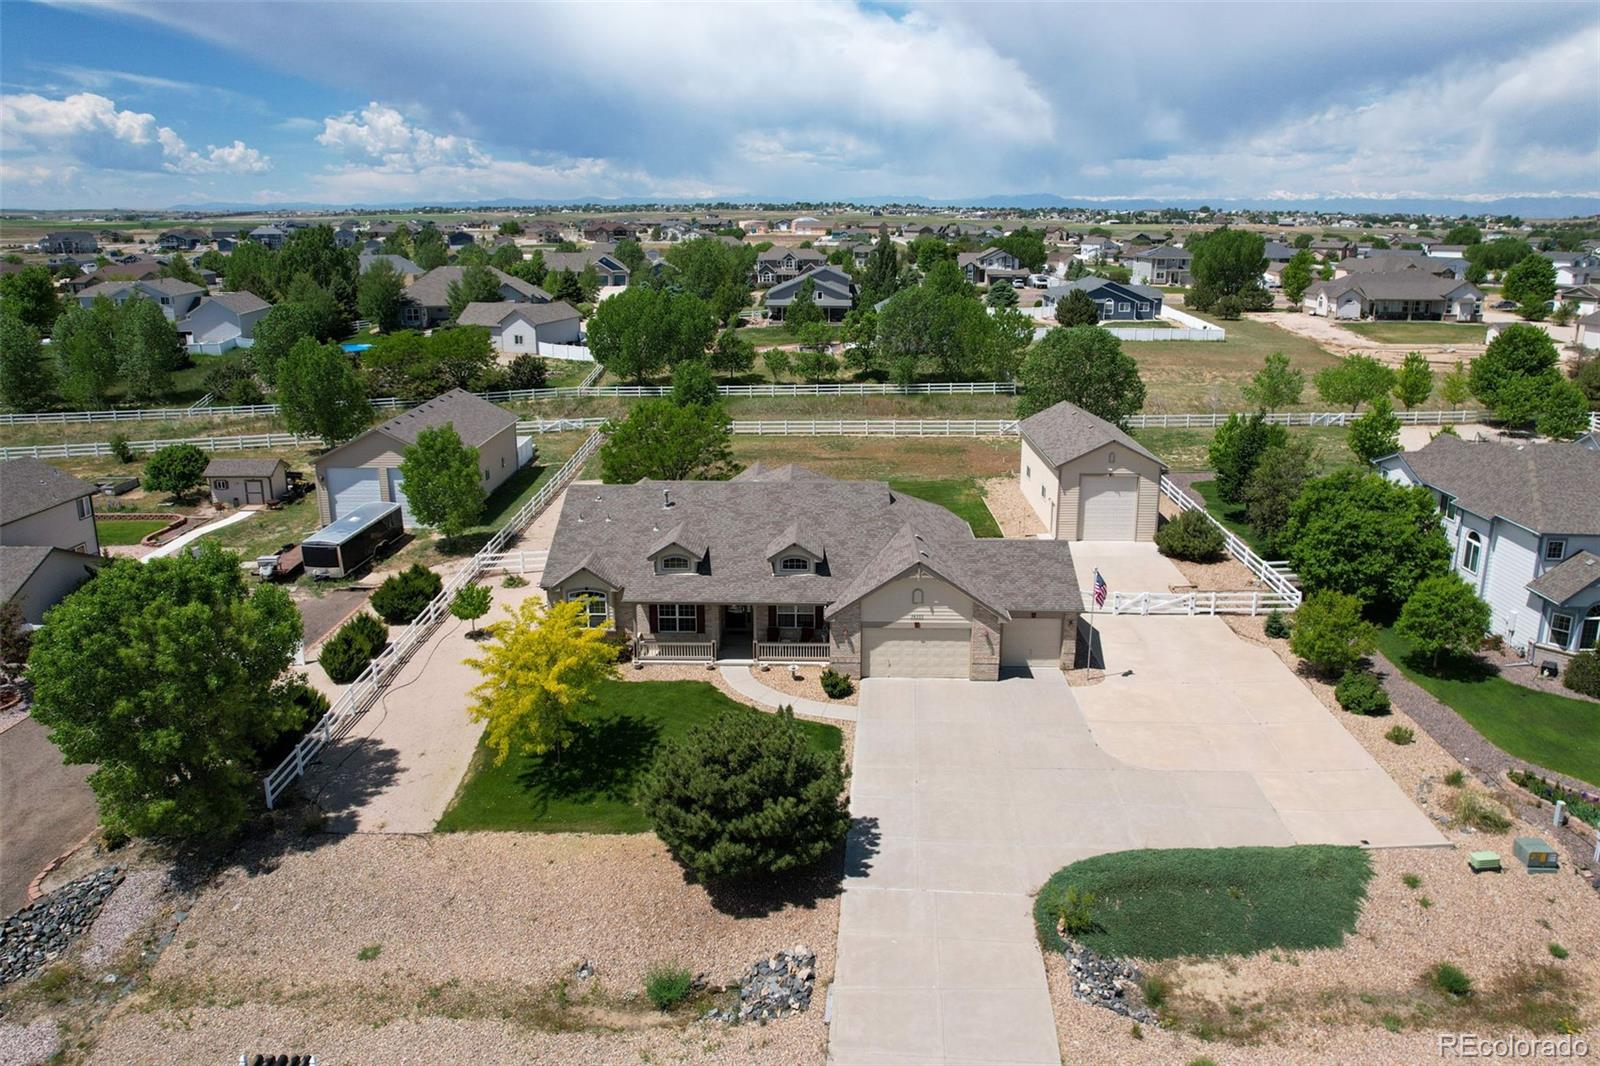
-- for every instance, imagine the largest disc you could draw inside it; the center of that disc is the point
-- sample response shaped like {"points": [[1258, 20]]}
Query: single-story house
{"points": [[1118, 301], [788, 565], [227, 316], [43, 505], [990, 265], [613, 272], [367, 468], [36, 577], [832, 288], [1387, 262], [1588, 331], [428, 297], [1401, 294], [1086, 479], [185, 239], [1585, 299], [1524, 526], [1333, 248], [241, 482], [177, 298], [806, 226], [1278, 252], [1162, 265], [515, 328], [777, 265]]}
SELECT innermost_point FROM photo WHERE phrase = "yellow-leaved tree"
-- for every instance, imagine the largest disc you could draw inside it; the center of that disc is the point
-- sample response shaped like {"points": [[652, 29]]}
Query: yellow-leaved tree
{"points": [[538, 669]]}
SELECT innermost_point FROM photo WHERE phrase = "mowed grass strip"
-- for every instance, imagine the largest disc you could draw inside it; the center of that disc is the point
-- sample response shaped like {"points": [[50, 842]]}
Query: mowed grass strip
{"points": [[126, 531], [1419, 332], [960, 495], [590, 787], [1551, 731], [1162, 904]]}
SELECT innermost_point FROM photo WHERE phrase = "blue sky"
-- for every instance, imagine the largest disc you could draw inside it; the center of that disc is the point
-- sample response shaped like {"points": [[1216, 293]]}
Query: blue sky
{"points": [[160, 103]]}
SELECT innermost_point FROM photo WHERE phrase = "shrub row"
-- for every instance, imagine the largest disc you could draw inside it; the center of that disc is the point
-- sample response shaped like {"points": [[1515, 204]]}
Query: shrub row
{"points": [[1578, 804]]}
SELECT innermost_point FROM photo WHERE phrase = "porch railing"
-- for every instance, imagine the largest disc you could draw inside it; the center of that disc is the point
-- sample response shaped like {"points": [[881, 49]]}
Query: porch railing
{"points": [[682, 651], [1193, 603], [787, 652]]}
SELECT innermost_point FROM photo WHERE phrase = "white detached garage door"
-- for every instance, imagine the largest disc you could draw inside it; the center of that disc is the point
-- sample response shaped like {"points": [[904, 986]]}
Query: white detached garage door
{"points": [[351, 488], [926, 652], [1110, 507]]}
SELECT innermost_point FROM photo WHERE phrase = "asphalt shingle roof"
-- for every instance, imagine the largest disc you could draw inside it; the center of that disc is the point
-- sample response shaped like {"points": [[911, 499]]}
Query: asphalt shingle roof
{"points": [[1560, 583], [17, 564], [477, 421], [28, 486], [1548, 488], [433, 288], [243, 467], [493, 314], [1065, 431]]}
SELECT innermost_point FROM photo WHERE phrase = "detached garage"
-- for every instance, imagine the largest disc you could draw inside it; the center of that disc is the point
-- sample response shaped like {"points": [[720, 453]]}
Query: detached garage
{"points": [[367, 469], [1086, 479]]}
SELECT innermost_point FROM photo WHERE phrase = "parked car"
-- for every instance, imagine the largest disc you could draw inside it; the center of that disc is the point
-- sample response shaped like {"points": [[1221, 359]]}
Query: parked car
{"points": [[1039, 281]]}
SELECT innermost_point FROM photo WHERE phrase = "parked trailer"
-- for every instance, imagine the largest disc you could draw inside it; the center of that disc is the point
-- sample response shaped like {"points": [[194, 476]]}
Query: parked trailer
{"points": [[345, 546]]}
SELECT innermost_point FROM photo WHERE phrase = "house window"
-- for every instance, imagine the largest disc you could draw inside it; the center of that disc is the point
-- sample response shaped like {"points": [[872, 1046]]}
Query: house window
{"points": [[1561, 630], [516, 338], [1447, 506], [796, 616], [1589, 635], [1471, 552], [597, 603], [675, 564], [85, 507], [1555, 551], [916, 596], [794, 564], [676, 618], [1124, 306], [219, 483]]}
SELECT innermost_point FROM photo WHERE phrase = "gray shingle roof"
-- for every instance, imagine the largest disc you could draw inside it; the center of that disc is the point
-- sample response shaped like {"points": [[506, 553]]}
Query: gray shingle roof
{"points": [[1065, 431], [493, 314], [433, 288], [476, 420], [240, 303], [834, 285], [1398, 285], [1560, 583], [1093, 285], [28, 486], [1548, 488], [17, 564], [243, 467], [865, 533], [401, 264]]}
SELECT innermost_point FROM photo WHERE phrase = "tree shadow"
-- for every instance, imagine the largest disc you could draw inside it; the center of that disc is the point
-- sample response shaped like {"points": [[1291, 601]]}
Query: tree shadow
{"points": [[1470, 669], [604, 761], [759, 897]]}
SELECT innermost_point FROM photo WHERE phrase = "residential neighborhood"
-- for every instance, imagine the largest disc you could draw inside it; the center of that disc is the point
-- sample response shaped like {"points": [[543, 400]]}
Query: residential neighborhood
{"points": [[506, 561]]}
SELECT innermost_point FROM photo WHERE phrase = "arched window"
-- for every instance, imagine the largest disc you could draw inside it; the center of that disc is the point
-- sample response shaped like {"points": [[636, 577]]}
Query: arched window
{"points": [[675, 564], [794, 564], [1471, 552], [598, 603], [916, 596]]}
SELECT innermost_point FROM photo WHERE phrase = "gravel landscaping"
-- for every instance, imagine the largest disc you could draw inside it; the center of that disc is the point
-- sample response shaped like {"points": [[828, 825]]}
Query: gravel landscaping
{"points": [[806, 686], [1012, 513], [366, 948]]}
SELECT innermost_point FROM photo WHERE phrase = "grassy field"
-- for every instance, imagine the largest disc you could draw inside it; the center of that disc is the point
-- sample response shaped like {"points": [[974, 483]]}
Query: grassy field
{"points": [[270, 530], [884, 458], [1205, 375], [1419, 332], [961, 495], [566, 373], [590, 788], [126, 531], [188, 384], [1552, 731], [1222, 901], [1185, 450]]}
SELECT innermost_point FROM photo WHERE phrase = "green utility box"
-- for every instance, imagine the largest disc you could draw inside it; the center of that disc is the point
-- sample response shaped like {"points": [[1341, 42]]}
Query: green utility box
{"points": [[1537, 855], [1480, 861]]}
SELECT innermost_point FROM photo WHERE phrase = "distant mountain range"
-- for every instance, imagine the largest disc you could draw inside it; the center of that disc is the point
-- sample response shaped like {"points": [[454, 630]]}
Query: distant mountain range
{"points": [[1559, 206]]}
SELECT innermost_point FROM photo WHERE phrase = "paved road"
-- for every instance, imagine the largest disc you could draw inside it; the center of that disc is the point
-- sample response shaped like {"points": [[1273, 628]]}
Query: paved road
{"points": [[45, 808]]}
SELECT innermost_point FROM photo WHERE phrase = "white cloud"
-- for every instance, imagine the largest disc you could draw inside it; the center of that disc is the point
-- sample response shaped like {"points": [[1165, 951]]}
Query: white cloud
{"points": [[380, 135], [90, 129]]}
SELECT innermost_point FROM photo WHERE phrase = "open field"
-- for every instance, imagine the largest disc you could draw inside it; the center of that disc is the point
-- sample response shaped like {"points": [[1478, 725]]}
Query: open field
{"points": [[589, 787], [1205, 375], [884, 458], [1419, 332], [1185, 450]]}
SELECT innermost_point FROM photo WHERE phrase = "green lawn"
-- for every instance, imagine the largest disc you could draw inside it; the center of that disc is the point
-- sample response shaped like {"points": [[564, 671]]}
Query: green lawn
{"points": [[961, 495], [1231, 515], [591, 788], [188, 384], [1553, 731], [1186, 450], [1419, 332], [270, 530], [126, 531], [1209, 375], [1218, 901]]}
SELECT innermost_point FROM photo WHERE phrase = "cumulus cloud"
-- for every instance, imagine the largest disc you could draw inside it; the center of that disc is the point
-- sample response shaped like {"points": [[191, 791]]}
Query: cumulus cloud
{"points": [[381, 136], [91, 130]]}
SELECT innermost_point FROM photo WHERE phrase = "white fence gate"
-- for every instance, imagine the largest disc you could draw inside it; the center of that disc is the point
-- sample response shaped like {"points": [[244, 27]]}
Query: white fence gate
{"points": [[1193, 603]]}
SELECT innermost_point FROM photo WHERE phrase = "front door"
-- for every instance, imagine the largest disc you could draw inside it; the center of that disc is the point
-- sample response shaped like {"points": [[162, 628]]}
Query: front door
{"points": [[737, 620], [253, 493]]}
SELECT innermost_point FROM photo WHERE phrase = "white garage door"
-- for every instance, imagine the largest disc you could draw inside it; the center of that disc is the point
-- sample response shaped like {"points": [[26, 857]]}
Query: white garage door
{"points": [[398, 495], [1034, 643], [916, 652], [351, 488], [1110, 507]]}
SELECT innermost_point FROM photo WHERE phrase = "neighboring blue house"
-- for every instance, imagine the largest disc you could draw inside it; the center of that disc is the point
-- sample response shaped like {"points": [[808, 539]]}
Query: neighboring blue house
{"points": [[1118, 301]]}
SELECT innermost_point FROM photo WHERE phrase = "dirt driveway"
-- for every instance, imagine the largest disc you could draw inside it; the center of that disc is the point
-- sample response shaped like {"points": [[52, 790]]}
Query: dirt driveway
{"points": [[45, 808]]}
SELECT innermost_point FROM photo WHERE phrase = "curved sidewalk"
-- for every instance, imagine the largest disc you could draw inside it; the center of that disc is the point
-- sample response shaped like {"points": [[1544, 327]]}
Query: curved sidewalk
{"points": [[744, 682]]}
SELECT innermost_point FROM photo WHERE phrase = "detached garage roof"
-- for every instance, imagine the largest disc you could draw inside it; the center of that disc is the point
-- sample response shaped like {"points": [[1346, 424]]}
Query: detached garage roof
{"points": [[1064, 432], [476, 420], [243, 467], [494, 314]]}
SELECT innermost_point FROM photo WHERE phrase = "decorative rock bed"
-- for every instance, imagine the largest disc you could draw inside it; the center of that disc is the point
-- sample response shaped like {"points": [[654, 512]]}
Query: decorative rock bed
{"points": [[42, 931], [775, 987], [1105, 982]]}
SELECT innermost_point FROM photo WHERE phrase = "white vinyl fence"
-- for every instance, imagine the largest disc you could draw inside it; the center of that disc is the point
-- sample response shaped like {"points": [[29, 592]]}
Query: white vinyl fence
{"points": [[211, 444], [1594, 421], [1213, 419], [1274, 578], [1200, 603], [364, 690]]}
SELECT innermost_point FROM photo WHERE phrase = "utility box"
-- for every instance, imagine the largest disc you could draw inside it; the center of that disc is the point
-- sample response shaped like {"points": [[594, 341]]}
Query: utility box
{"points": [[1483, 861], [1537, 855]]}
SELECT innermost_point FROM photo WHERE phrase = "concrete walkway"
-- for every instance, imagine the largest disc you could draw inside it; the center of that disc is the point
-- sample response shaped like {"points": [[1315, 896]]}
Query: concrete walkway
{"points": [[179, 543], [744, 681]]}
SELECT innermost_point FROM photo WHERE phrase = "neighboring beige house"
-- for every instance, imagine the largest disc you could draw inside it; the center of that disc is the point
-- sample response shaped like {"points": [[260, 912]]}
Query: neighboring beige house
{"points": [[1086, 479], [245, 482], [176, 298], [787, 565], [518, 328], [41, 505], [1399, 295], [367, 469], [37, 577], [1588, 331], [806, 226]]}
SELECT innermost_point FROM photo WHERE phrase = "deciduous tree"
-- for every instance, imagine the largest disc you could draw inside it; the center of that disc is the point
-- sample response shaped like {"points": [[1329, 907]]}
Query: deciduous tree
{"points": [[1354, 380], [692, 385], [1376, 433], [1236, 449], [319, 393], [381, 296], [27, 380], [1275, 385], [664, 441], [179, 470], [85, 347], [1413, 383], [1443, 615], [1296, 276], [471, 603], [1329, 632], [442, 481], [1531, 282], [1274, 485], [803, 309], [732, 354], [640, 331], [30, 295], [1084, 365], [148, 349]]}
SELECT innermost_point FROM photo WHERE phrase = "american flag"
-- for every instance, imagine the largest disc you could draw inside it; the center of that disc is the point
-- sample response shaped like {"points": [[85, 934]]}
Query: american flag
{"points": [[1099, 589]]}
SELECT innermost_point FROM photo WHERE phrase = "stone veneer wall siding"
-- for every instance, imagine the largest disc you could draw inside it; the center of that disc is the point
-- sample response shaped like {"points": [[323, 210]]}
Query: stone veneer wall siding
{"points": [[844, 634], [984, 661]]}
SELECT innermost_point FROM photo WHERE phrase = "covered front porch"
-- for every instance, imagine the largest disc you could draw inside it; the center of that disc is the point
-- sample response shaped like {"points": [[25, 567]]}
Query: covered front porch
{"points": [[730, 633]]}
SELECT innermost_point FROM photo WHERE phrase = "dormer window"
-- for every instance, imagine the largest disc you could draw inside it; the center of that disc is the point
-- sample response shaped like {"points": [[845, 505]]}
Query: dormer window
{"points": [[677, 564], [794, 564]]}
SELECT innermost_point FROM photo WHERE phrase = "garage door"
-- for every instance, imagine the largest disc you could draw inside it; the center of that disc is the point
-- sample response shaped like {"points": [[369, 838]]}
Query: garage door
{"points": [[1032, 643], [916, 652], [1110, 507], [398, 495], [351, 488]]}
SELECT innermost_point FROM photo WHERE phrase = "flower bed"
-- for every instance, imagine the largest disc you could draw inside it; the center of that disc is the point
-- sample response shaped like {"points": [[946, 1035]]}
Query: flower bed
{"points": [[1581, 805]]}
